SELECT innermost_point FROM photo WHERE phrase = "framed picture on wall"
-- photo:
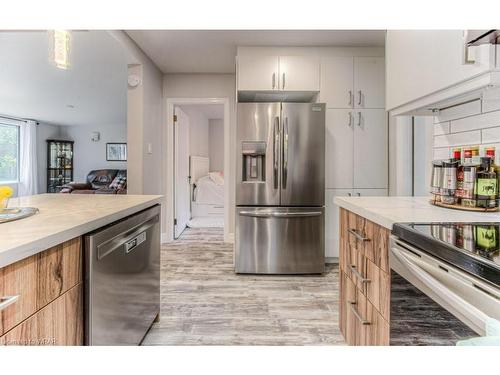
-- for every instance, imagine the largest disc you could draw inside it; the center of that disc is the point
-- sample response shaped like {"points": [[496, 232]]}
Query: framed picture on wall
{"points": [[116, 151]]}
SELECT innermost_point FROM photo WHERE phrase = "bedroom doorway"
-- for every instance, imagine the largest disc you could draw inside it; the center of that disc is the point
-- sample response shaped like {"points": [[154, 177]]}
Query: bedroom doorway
{"points": [[199, 189]]}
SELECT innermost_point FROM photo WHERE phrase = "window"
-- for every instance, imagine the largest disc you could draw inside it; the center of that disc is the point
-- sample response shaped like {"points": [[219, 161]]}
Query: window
{"points": [[9, 153]]}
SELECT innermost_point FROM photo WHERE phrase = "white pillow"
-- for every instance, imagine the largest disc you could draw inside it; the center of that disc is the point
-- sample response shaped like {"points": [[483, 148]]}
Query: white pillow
{"points": [[217, 178]]}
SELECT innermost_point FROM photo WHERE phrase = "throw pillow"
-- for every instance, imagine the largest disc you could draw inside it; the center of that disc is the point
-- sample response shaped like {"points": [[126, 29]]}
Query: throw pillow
{"points": [[118, 183]]}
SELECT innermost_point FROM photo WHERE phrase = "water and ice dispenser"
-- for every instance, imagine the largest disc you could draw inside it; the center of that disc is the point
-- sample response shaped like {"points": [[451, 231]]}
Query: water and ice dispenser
{"points": [[254, 161]]}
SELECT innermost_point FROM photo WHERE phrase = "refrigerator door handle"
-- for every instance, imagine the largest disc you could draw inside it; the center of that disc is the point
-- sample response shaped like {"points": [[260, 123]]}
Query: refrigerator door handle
{"points": [[285, 154], [277, 214], [276, 140]]}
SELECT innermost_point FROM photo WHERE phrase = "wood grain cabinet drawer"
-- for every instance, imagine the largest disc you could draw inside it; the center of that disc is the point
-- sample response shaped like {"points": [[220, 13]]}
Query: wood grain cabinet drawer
{"points": [[38, 280], [347, 319], [58, 323], [377, 289], [370, 327]]}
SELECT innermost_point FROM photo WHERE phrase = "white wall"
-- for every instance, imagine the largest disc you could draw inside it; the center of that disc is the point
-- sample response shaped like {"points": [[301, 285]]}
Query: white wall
{"points": [[90, 155], [400, 156], [216, 144], [475, 123], [209, 86], [144, 122]]}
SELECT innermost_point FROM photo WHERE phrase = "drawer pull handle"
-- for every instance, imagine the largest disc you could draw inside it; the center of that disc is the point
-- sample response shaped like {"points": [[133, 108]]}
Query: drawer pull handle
{"points": [[7, 301], [358, 274], [360, 237], [356, 314]]}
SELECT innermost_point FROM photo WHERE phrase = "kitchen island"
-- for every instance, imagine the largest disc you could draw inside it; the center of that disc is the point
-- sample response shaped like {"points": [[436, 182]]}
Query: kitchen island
{"points": [[365, 272], [41, 264]]}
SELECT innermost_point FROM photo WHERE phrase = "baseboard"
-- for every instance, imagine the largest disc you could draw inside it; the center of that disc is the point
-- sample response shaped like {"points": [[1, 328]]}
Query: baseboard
{"points": [[332, 260], [229, 238], [165, 238]]}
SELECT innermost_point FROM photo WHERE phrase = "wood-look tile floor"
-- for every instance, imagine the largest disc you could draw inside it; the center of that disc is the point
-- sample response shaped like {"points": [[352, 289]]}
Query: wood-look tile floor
{"points": [[203, 302]]}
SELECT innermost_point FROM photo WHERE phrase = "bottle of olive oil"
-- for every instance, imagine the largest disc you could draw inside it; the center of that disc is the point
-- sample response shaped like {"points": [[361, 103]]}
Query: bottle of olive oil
{"points": [[486, 185], [491, 153]]}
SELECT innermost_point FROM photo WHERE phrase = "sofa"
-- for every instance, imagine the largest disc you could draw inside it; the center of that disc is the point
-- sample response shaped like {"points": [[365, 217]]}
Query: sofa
{"points": [[100, 181]]}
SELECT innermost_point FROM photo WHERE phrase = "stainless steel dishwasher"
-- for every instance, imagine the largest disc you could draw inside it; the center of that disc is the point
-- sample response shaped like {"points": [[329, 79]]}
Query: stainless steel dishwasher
{"points": [[122, 279]]}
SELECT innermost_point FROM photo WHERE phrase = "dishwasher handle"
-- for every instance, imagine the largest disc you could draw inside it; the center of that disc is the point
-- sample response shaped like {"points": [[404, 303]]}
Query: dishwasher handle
{"points": [[128, 240]]}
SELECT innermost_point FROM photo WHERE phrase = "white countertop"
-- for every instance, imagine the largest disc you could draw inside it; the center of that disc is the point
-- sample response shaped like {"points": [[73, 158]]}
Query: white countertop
{"points": [[61, 218], [386, 211]]}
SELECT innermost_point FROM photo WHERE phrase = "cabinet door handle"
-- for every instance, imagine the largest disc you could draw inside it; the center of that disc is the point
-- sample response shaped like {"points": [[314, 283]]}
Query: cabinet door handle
{"points": [[358, 274], [359, 194], [350, 98], [349, 194], [359, 119], [350, 119], [360, 237], [7, 301], [360, 97], [283, 81], [274, 80], [357, 315]]}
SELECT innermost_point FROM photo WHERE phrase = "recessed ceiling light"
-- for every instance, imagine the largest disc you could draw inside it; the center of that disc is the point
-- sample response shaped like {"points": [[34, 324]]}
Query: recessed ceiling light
{"points": [[70, 106]]}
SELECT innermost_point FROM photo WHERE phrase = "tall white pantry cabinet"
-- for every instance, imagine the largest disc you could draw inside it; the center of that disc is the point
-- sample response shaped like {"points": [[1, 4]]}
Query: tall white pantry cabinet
{"points": [[353, 88]]}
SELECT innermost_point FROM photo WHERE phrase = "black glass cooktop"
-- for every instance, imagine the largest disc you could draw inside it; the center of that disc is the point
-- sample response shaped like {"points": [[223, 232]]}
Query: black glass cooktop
{"points": [[473, 247]]}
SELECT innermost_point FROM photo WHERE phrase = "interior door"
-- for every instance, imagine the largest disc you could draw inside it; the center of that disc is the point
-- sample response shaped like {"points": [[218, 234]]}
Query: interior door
{"points": [[371, 149], [369, 82], [299, 73], [337, 82], [339, 144], [181, 187], [303, 154]]}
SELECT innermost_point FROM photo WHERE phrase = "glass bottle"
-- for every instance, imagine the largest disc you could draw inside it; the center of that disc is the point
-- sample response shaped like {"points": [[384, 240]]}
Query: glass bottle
{"points": [[486, 185]]}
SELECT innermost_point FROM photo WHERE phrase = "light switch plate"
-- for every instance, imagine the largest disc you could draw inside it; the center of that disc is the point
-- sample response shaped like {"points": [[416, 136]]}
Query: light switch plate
{"points": [[150, 148]]}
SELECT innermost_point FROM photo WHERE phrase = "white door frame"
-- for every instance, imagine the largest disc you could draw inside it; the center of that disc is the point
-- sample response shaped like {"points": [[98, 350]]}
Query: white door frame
{"points": [[170, 167]]}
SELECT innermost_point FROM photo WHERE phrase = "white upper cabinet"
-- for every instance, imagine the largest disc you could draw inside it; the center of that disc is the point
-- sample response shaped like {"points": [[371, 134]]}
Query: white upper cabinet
{"points": [[298, 73], [278, 73], [370, 149], [337, 82], [428, 67], [369, 82], [353, 82], [258, 73], [339, 148]]}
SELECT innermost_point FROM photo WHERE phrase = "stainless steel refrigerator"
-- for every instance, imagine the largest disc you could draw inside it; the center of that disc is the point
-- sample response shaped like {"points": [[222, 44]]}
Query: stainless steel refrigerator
{"points": [[280, 188]]}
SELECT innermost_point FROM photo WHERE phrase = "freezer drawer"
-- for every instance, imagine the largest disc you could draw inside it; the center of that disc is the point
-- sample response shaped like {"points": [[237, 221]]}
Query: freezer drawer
{"points": [[280, 240]]}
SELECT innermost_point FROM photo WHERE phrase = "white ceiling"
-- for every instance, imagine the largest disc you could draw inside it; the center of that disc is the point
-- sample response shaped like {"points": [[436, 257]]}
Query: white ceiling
{"points": [[210, 111], [213, 51], [96, 84]]}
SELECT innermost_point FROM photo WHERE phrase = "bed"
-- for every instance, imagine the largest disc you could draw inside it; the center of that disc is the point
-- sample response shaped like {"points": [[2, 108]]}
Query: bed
{"points": [[207, 189]]}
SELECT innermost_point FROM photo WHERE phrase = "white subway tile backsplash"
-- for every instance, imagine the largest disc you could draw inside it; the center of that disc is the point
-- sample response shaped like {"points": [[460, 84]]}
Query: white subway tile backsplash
{"points": [[441, 153], [459, 111], [475, 123], [491, 105], [441, 128], [458, 139], [490, 135], [485, 120]]}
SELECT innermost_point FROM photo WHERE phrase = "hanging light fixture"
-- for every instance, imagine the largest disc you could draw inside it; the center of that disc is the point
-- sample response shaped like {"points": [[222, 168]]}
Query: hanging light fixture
{"points": [[60, 48]]}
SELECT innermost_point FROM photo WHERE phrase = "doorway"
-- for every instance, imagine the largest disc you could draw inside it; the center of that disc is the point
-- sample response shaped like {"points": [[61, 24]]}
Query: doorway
{"points": [[199, 189]]}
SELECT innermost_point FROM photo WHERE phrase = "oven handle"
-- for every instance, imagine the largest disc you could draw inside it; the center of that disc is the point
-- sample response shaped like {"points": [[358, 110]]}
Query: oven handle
{"points": [[446, 294]]}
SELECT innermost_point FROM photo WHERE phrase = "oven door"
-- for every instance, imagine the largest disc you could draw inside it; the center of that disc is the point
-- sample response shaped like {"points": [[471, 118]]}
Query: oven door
{"points": [[468, 298]]}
